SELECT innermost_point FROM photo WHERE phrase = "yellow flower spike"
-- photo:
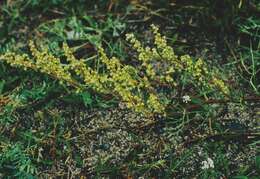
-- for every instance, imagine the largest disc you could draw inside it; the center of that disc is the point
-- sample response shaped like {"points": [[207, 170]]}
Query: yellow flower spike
{"points": [[221, 85], [154, 104], [18, 60], [49, 64]]}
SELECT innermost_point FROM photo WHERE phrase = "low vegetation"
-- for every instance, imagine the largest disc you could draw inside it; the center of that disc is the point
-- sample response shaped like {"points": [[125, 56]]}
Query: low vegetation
{"points": [[133, 89]]}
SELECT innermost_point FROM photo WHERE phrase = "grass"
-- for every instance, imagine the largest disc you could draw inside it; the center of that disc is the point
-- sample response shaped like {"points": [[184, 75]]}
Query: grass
{"points": [[48, 130]]}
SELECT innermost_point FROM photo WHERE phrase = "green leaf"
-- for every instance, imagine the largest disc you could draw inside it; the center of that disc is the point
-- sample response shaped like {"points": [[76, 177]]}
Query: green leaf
{"points": [[240, 177], [2, 84], [197, 101], [257, 162], [86, 98], [73, 99]]}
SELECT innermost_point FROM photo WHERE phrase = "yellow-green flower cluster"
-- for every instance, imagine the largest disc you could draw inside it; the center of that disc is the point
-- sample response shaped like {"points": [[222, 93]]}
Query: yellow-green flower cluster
{"points": [[17, 60], [197, 69], [49, 64], [155, 104], [159, 62], [164, 51], [126, 82], [145, 55], [90, 77], [200, 72], [220, 84]]}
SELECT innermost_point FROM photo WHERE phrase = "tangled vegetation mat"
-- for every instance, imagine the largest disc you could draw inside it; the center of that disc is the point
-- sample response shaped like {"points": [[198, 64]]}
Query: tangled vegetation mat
{"points": [[129, 89]]}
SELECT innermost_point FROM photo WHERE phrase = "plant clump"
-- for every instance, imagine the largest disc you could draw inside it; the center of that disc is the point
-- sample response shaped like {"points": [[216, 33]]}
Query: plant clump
{"points": [[147, 87]]}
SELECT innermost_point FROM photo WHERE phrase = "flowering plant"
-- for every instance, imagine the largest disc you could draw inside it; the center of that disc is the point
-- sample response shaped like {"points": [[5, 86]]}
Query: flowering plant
{"points": [[146, 88]]}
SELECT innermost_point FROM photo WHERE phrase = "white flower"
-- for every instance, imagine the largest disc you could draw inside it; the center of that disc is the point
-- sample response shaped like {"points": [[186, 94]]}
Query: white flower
{"points": [[209, 163], [186, 99]]}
